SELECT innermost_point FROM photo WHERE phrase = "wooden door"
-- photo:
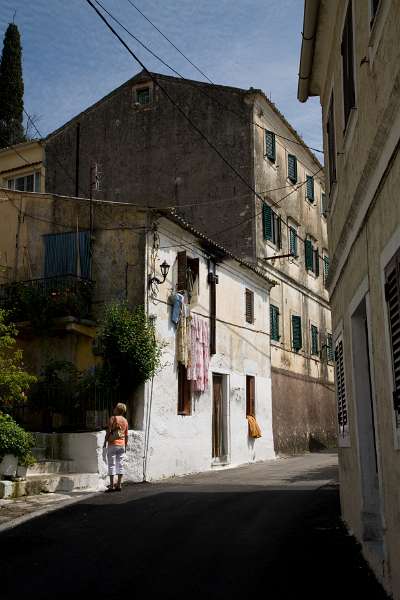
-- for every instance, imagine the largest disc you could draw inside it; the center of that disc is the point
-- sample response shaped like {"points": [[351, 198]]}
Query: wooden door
{"points": [[217, 418]]}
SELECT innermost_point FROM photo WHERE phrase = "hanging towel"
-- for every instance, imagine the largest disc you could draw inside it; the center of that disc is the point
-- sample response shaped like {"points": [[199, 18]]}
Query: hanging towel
{"points": [[182, 342], [254, 429], [177, 300]]}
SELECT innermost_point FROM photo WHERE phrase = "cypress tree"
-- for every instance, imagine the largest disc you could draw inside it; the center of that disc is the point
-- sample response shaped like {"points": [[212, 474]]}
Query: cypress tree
{"points": [[11, 89]]}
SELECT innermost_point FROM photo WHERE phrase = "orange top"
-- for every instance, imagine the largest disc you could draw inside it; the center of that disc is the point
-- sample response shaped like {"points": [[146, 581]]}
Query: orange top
{"points": [[120, 423]]}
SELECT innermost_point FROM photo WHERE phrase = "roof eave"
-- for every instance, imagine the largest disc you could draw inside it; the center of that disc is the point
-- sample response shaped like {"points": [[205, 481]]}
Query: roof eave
{"points": [[311, 10]]}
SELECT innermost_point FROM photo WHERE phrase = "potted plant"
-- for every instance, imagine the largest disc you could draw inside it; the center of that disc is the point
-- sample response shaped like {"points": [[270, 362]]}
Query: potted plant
{"points": [[15, 447]]}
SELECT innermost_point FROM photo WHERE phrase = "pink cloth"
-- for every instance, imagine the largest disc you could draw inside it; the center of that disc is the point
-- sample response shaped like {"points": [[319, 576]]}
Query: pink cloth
{"points": [[199, 354]]}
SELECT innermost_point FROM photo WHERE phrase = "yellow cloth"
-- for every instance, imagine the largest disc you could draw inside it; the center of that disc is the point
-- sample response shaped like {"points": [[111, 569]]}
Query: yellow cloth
{"points": [[182, 346], [254, 429]]}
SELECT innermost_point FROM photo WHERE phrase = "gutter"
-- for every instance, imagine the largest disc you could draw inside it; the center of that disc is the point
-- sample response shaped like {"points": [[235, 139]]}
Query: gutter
{"points": [[311, 9]]}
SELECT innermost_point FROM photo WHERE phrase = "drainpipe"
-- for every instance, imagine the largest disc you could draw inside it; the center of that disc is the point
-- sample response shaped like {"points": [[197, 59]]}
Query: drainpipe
{"points": [[311, 9]]}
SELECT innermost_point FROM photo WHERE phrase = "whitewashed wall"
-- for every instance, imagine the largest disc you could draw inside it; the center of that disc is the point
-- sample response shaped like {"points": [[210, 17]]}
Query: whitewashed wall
{"points": [[183, 444]]}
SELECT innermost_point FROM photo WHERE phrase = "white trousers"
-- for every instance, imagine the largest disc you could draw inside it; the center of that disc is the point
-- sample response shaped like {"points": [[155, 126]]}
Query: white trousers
{"points": [[115, 455]]}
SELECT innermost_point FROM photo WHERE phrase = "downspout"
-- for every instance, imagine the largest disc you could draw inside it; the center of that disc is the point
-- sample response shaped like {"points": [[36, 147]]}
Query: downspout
{"points": [[311, 9]]}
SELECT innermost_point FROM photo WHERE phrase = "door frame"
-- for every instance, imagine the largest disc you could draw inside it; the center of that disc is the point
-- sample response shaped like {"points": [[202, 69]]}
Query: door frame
{"points": [[226, 458]]}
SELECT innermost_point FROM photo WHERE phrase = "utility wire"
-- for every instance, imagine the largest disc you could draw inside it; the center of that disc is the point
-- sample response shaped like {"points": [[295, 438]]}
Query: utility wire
{"points": [[198, 69]]}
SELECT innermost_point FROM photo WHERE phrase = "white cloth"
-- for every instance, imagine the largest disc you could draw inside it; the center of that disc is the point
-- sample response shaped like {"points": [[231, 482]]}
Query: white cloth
{"points": [[115, 456]]}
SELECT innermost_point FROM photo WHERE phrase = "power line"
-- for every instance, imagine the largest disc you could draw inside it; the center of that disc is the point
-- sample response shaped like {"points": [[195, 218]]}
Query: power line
{"points": [[198, 69]]}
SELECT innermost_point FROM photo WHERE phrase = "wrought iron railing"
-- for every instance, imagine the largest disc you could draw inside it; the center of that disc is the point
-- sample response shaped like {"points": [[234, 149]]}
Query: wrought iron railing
{"points": [[55, 407], [47, 298]]}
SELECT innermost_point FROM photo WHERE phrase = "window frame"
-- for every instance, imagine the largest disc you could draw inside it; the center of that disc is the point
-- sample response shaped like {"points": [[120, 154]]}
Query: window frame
{"points": [[313, 268], [275, 237], [36, 180], [314, 340]]}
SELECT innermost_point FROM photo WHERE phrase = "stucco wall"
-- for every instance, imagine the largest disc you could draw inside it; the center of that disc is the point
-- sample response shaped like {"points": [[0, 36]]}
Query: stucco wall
{"points": [[181, 444]]}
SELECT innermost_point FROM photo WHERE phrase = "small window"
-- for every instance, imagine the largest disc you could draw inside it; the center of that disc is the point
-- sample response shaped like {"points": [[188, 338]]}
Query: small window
{"points": [[184, 392], [270, 146], [250, 396], [330, 132], [143, 96], [293, 241], [326, 268], [314, 340], [311, 257], [347, 48], [329, 347], [292, 168], [249, 301], [274, 322], [341, 395], [188, 275], [310, 188], [272, 226], [297, 338]]}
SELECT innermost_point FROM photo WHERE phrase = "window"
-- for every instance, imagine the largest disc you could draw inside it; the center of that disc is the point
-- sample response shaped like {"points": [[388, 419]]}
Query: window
{"points": [[341, 388], [329, 347], [330, 132], [61, 253], [188, 274], [326, 268], [314, 340], [324, 205], [143, 96], [374, 9], [297, 339], [270, 146], [392, 296], [272, 226], [25, 183], [310, 188], [311, 257], [349, 97], [292, 168], [293, 240], [249, 309], [184, 392], [250, 396], [274, 322]]}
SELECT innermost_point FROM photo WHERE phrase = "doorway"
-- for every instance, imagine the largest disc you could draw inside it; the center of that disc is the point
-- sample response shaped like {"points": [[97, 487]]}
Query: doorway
{"points": [[219, 419], [367, 439]]}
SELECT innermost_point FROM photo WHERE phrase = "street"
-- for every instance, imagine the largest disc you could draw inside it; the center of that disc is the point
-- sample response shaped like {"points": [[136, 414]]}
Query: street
{"points": [[270, 527]]}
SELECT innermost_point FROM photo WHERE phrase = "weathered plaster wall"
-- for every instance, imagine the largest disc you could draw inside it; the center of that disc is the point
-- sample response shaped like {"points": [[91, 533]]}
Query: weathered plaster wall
{"points": [[240, 350]]}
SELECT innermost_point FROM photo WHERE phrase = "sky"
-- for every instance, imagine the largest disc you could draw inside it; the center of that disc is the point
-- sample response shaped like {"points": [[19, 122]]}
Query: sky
{"points": [[70, 59]]}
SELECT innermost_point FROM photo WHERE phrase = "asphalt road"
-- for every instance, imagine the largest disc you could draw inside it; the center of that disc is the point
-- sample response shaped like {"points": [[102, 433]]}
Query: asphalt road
{"points": [[267, 530]]}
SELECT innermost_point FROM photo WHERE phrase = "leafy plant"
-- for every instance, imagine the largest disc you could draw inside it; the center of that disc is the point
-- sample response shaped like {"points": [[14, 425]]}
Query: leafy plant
{"points": [[15, 440], [14, 380], [126, 341]]}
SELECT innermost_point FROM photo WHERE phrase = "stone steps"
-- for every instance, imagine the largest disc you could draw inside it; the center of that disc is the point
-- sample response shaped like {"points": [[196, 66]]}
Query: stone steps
{"points": [[49, 483], [50, 466]]}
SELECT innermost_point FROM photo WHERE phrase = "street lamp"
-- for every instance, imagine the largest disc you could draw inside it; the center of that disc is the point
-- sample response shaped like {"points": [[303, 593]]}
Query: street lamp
{"points": [[164, 267]]}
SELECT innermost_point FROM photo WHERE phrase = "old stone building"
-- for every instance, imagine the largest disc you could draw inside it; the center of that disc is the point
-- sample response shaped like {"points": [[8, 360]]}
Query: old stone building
{"points": [[350, 58], [235, 168]]}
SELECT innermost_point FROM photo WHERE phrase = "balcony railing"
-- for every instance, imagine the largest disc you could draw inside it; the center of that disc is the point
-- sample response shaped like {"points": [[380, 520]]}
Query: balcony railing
{"points": [[47, 298]]}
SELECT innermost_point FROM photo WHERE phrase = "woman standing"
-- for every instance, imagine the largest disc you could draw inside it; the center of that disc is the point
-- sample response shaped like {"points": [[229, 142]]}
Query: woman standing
{"points": [[117, 440]]}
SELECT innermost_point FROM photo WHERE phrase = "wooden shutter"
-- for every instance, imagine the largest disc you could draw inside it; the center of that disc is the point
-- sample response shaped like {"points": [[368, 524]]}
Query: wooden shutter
{"points": [[250, 395], [310, 188], [249, 297], [316, 262], [392, 295], [326, 268], [212, 280], [182, 269], [308, 251], [330, 130], [267, 222], [278, 229], [274, 322], [297, 340], [293, 241], [329, 347], [270, 147], [314, 339], [184, 391], [292, 168], [348, 64], [340, 387]]}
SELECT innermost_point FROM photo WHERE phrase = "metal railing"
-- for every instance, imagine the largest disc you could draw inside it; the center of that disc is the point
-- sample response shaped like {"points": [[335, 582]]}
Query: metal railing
{"points": [[57, 296]]}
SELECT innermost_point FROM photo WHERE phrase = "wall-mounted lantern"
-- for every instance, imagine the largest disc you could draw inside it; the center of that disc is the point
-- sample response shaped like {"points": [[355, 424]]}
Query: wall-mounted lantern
{"points": [[164, 267]]}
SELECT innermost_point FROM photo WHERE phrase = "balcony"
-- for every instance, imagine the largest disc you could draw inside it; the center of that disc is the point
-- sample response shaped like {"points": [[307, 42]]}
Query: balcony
{"points": [[39, 301]]}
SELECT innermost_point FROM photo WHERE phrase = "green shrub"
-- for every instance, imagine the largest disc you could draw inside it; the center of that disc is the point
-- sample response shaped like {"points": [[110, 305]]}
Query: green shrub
{"points": [[15, 440], [126, 341]]}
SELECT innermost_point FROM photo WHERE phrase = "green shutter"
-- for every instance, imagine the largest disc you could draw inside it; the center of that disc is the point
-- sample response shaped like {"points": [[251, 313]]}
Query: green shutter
{"points": [[293, 241], [329, 347], [314, 339], [297, 341], [310, 188], [308, 254], [316, 262], [270, 148], [326, 267], [274, 322], [267, 222], [292, 168]]}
